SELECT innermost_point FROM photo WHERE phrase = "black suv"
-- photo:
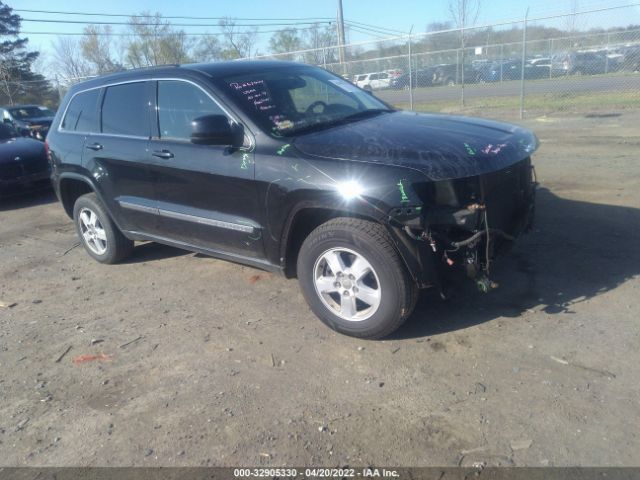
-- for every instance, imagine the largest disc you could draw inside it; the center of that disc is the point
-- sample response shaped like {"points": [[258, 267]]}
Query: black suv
{"points": [[289, 168]]}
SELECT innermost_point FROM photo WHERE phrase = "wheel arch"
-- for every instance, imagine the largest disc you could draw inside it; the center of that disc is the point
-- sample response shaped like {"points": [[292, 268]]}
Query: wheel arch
{"points": [[72, 186], [417, 259], [301, 222]]}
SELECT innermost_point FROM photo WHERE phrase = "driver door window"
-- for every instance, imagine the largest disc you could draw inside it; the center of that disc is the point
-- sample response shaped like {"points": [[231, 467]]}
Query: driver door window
{"points": [[179, 103]]}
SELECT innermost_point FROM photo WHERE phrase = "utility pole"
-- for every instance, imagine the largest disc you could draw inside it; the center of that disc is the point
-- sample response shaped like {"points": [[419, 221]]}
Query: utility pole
{"points": [[341, 40]]}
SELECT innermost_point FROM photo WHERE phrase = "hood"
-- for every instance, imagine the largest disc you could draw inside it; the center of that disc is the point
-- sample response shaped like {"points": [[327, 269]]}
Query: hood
{"points": [[441, 146], [20, 147]]}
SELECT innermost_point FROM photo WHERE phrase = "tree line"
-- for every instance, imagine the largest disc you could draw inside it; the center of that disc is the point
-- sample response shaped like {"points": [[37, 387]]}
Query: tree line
{"points": [[148, 39]]}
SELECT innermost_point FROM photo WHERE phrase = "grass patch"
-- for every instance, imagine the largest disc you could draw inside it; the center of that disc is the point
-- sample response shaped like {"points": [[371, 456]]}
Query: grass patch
{"points": [[545, 103]]}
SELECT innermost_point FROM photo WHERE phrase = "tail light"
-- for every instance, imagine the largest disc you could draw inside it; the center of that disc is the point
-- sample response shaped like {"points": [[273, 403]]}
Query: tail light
{"points": [[47, 151]]}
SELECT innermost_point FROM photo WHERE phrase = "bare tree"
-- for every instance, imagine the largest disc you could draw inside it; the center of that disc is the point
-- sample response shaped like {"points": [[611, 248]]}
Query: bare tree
{"points": [[571, 20], [68, 59], [320, 40], [153, 41], [237, 44], [6, 83], [464, 14], [208, 49], [97, 49]]}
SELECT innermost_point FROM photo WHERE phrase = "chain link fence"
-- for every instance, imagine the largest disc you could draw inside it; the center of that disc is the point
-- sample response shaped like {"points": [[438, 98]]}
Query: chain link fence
{"points": [[583, 62], [575, 63]]}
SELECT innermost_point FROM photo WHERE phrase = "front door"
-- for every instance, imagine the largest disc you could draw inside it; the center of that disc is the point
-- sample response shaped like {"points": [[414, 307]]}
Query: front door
{"points": [[206, 194]]}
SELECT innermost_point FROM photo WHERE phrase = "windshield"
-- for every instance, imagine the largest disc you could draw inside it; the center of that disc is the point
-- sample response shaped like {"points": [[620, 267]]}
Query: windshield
{"points": [[7, 131], [285, 101], [24, 113]]}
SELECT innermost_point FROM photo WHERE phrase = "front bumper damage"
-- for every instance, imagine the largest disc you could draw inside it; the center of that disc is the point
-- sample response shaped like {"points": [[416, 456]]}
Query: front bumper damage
{"points": [[463, 224]]}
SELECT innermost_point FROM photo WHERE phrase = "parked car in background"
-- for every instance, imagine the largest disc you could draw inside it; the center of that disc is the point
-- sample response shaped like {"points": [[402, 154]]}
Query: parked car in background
{"points": [[497, 71], [539, 67], [422, 77], [289, 168], [23, 162], [373, 81], [581, 63], [631, 59], [511, 69], [394, 73], [35, 118], [451, 74]]}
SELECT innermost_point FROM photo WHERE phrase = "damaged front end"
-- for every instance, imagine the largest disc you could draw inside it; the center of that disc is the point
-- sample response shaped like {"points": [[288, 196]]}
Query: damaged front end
{"points": [[464, 223]]}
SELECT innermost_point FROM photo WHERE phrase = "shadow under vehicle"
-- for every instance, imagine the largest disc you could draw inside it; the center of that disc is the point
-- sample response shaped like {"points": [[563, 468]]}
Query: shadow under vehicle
{"points": [[559, 264]]}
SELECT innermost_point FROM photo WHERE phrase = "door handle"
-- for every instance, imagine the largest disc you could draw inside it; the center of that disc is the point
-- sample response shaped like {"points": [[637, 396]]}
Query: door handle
{"points": [[165, 154], [95, 147]]}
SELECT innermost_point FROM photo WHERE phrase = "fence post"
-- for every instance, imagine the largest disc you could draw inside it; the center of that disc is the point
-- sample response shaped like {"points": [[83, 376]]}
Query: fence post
{"points": [[462, 68], [410, 74], [606, 55], [550, 55], [524, 56], [501, 60]]}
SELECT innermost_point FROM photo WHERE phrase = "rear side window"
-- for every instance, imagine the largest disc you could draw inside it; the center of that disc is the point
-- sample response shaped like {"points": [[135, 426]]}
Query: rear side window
{"points": [[125, 110], [82, 115]]}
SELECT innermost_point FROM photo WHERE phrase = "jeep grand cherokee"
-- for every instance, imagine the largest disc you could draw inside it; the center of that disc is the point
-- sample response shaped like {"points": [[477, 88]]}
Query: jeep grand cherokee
{"points": [[289, 168]]}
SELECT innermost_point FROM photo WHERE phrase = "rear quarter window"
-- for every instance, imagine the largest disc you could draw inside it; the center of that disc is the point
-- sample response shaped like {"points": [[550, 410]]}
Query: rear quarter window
{"points": [[125, 110], [82, 112]]}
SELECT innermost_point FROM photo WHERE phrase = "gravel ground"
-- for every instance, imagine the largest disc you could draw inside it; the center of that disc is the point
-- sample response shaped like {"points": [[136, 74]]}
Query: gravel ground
{"points": [[204, 362]]}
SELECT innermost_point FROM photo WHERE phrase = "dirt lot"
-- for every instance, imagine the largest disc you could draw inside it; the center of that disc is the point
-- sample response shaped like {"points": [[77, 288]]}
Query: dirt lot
{"points": [[230, 367]]}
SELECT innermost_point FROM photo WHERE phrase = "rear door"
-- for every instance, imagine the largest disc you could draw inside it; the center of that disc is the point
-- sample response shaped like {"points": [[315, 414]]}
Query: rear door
{"points": [[206, 194], [117, 156]]}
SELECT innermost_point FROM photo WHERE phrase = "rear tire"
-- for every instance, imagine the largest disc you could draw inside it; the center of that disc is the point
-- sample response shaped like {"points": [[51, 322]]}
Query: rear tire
{"points": [[99, 236], [371, 294]]}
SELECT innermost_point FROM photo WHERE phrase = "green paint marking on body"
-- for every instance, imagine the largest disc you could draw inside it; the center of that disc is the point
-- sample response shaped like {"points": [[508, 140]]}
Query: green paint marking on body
{"points": [[283, 149], [403, 195], [470, 149], [245, 161]]}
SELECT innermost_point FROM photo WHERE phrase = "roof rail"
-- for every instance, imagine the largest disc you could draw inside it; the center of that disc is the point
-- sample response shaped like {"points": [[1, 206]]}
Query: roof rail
{"points": [[150, 67]]}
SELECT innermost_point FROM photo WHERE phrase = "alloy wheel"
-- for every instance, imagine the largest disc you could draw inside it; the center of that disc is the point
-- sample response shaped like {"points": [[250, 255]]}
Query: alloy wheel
{"points": [[347, 284], [92, 231]]}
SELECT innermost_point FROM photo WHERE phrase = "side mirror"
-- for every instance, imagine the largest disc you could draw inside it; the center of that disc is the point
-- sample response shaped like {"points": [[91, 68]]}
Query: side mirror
{"points": [[215, 130]]}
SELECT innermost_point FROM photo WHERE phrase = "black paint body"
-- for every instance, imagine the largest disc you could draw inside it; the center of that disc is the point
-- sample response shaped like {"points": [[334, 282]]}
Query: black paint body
{"points": [[23, 163], [244, 203]]}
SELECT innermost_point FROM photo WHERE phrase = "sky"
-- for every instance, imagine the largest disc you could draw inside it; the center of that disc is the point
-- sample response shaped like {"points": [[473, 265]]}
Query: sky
{"points": [[400, 15]]}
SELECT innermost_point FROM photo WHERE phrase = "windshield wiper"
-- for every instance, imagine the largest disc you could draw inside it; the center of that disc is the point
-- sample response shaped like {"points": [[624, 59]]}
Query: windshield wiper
{"points": [[366, 113], [340, 121]]}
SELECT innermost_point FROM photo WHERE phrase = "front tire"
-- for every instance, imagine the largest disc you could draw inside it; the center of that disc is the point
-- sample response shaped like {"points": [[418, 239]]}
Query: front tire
{"points": [[354, 280], [99, 236]]}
